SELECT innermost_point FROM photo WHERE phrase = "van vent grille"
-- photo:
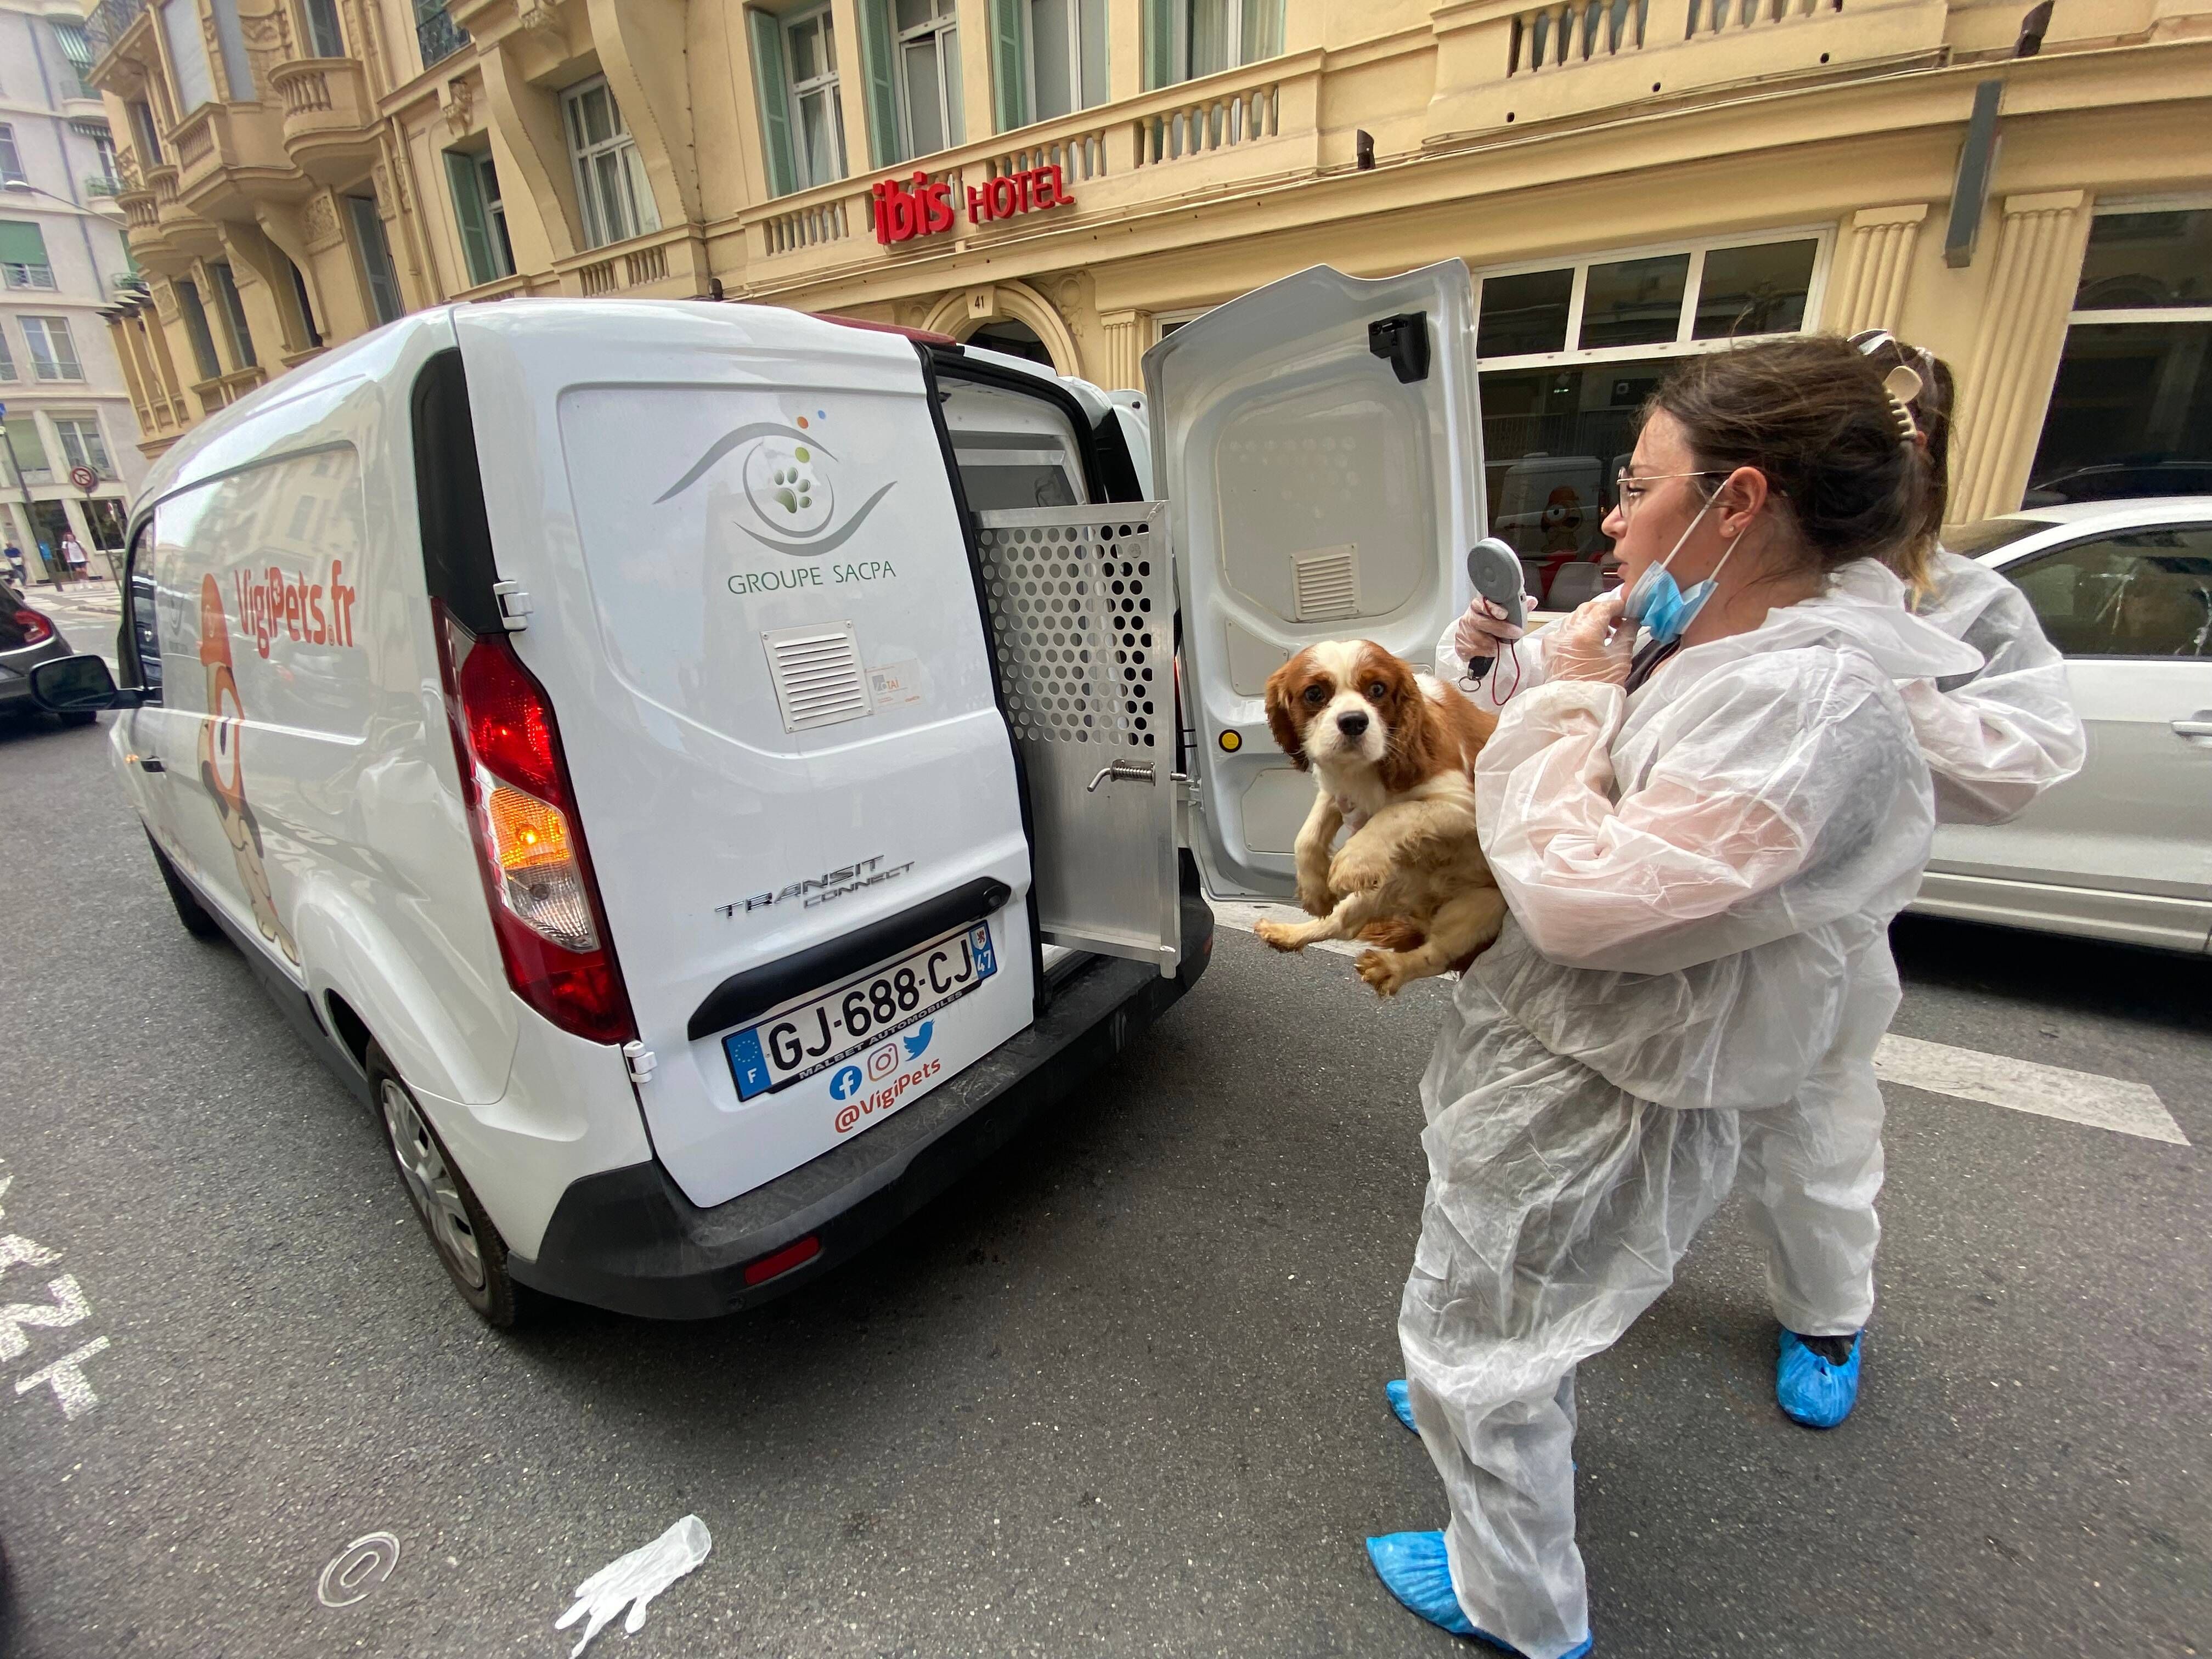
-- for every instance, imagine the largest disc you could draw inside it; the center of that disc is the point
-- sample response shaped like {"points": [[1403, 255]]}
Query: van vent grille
{"points": [[1327, 583], [817, 676]]}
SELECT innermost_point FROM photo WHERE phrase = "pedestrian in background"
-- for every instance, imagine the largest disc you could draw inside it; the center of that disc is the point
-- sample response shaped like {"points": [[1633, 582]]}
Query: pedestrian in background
{"points": [[72, 552], [15, 556]]}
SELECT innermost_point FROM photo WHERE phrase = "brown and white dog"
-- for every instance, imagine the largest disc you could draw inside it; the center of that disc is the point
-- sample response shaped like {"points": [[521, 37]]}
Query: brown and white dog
{"points": [[1393, 753]]}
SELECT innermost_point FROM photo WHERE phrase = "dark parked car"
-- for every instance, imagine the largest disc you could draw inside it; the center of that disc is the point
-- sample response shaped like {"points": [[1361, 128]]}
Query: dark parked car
{"points": [[2122, 481], [27, 638]]}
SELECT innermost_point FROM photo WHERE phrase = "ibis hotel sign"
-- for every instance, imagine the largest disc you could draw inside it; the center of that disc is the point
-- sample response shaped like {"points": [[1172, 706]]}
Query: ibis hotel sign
{"points": [[922, 206]]}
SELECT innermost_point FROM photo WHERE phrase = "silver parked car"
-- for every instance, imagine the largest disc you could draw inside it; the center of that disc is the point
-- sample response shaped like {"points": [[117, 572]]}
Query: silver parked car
{"points": [[2122, 851]]}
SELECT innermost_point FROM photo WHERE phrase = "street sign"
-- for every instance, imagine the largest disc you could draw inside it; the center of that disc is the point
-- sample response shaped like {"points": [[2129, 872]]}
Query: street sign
{"points": [[84, 478]]}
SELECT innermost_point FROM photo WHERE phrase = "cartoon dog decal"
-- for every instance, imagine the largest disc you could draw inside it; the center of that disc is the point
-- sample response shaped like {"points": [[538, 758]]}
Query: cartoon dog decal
{"points": [[222, 769]]}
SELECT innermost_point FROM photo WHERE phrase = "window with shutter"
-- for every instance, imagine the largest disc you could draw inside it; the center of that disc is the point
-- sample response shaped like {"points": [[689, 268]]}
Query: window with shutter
{"points": [[23, 255], [772, 95], [469, 214]]}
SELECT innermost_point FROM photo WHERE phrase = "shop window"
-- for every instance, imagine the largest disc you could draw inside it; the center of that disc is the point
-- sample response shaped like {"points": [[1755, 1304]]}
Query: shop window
{"points": [[12, 163], [481, 218], [611, 191], [324, 38], [196, 327], [795, 88], [2146, 594], [1186, 39], [53, 352], [1568, 355], [82, 444], [23, 260], [1048, 58], [1524, 312], [232, 311], [2130, 411], [375, 253]]}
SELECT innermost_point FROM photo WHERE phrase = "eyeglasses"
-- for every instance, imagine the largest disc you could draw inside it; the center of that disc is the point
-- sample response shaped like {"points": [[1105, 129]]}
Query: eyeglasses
{"points": [[1628, 487]]}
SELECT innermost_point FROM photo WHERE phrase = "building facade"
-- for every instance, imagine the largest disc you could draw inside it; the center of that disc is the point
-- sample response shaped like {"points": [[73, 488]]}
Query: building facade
{"points": [[1631, 181], [62, 261]]}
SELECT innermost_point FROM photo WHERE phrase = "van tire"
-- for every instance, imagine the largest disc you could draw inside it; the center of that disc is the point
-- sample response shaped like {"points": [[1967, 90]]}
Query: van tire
{"points": [[469, 1246], [190, 911]]}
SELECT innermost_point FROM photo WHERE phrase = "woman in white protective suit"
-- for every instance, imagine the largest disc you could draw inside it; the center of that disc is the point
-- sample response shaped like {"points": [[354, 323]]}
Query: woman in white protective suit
{"points": [[1701, 843], [1996, 738]]}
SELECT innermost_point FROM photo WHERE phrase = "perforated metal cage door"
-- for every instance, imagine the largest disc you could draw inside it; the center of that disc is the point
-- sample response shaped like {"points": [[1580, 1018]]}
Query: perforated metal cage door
{"points": [[1082, 604]]}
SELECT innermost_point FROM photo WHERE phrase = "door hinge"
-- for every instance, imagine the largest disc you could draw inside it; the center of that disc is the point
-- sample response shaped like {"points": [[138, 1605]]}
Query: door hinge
{"points": [[641, 1061], [513, 605]]}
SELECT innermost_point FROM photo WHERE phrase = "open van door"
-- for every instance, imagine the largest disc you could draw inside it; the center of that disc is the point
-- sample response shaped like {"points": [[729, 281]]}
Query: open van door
{"points": [[1317, 443]]}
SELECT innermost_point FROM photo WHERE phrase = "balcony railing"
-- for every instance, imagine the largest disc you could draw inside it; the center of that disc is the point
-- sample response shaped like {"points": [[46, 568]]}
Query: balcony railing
{"points": [[436, 32], [109, 19], [102, 184], [27, 275]]}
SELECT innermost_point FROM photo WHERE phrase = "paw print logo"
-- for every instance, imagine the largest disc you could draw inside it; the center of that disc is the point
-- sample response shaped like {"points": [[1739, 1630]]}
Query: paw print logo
{"points": [[789, 485], [794, 485]]}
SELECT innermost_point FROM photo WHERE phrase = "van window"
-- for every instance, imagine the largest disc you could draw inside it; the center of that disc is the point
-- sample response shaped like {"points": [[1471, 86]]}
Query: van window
{"points": [[1012, 450], [142, 633]]}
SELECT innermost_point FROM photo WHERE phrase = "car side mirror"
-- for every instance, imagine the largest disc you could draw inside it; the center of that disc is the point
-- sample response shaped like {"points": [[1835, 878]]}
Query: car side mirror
{"points": [[78, 685]]}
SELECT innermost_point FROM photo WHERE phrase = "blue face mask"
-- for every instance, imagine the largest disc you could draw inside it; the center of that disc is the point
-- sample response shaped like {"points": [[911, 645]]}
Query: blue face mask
{"points": [[1660, 605]]}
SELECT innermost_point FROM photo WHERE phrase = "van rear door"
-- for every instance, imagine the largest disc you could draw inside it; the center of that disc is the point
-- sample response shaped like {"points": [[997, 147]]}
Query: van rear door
{"points": [[1318, 445], [750, 599]]}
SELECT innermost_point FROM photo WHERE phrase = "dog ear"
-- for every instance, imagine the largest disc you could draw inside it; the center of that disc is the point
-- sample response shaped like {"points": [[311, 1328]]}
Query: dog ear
{"points": [[1416, 746], [1280, 684]]}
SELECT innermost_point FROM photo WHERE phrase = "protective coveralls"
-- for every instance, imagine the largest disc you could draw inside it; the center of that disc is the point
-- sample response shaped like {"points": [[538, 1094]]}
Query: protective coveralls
{"points": [[1700, 878], [1996, 736]]}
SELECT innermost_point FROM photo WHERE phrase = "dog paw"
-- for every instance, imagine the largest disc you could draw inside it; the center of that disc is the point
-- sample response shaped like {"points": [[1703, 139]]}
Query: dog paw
{"points": [[1282, 937], [1382, 971], [1358, 870]]}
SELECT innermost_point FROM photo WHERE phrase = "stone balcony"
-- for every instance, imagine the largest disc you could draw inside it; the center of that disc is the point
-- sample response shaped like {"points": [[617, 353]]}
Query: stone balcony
{"points": [[329, 120], [1245, 127], [222, 152], [1505, 64]]}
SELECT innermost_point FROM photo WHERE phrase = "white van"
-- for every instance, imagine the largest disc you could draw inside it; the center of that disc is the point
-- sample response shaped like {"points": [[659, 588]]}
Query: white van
{"points": [[707, 774]]}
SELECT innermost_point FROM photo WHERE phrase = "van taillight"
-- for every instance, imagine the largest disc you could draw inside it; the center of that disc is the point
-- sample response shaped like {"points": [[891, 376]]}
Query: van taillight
{"points": [[529, 846]]}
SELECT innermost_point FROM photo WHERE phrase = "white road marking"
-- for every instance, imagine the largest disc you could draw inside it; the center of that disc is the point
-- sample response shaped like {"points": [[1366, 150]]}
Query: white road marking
{"points": [[358, 1569], [2019, 1085], [67, 1308], [66, 1377]]}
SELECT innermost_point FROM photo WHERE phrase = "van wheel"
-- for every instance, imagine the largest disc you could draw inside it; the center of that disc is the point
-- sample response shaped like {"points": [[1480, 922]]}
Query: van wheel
{"points": [[190, 911], [474, 1254]]}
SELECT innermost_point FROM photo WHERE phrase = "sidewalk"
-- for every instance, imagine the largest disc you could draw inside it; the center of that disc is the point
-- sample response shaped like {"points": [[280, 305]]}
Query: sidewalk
{"points": [[88, 613]]}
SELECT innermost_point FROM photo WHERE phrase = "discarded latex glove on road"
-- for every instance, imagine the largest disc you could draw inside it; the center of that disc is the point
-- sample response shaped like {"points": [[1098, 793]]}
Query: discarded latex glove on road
{"points": [[636, 1577]]}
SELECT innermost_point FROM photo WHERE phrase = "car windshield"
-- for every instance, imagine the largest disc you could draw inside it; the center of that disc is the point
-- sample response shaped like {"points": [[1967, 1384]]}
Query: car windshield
{"points": [[1972, 540]]}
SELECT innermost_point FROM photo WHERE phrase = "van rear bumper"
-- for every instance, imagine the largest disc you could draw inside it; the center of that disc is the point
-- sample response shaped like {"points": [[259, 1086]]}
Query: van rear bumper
{"points": [[628, 1240]]}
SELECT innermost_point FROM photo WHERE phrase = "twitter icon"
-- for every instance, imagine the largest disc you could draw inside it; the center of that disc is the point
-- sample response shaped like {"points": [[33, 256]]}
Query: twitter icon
{"points": [[918, 1039]]}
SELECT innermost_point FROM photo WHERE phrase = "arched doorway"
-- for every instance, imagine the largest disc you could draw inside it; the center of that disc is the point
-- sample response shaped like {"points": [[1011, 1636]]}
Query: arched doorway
{"points": [[1010, 317], [1013, 336]]}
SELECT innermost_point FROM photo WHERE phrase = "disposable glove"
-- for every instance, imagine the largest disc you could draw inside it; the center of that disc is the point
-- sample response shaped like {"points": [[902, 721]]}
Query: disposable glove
{"points": [[1483, 628], [636, 1577], [1592, 644]]}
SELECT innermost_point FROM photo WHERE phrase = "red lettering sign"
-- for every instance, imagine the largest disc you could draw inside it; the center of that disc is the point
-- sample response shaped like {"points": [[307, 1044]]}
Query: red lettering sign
{"points": [[920, 206]]}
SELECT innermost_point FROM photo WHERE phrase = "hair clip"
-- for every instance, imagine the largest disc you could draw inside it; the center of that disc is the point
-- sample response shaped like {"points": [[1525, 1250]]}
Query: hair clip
{"points": [[1902, 385]]}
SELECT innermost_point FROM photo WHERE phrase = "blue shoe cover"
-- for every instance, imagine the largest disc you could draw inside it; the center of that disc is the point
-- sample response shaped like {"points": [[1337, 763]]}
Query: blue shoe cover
{"points": [[1809, 1389], [1413, 1567], [1401, 1401]]}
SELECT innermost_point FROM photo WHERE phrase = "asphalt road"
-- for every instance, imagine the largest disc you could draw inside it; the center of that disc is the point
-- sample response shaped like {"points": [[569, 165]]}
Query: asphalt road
{"points": [[1119, 1393]]}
